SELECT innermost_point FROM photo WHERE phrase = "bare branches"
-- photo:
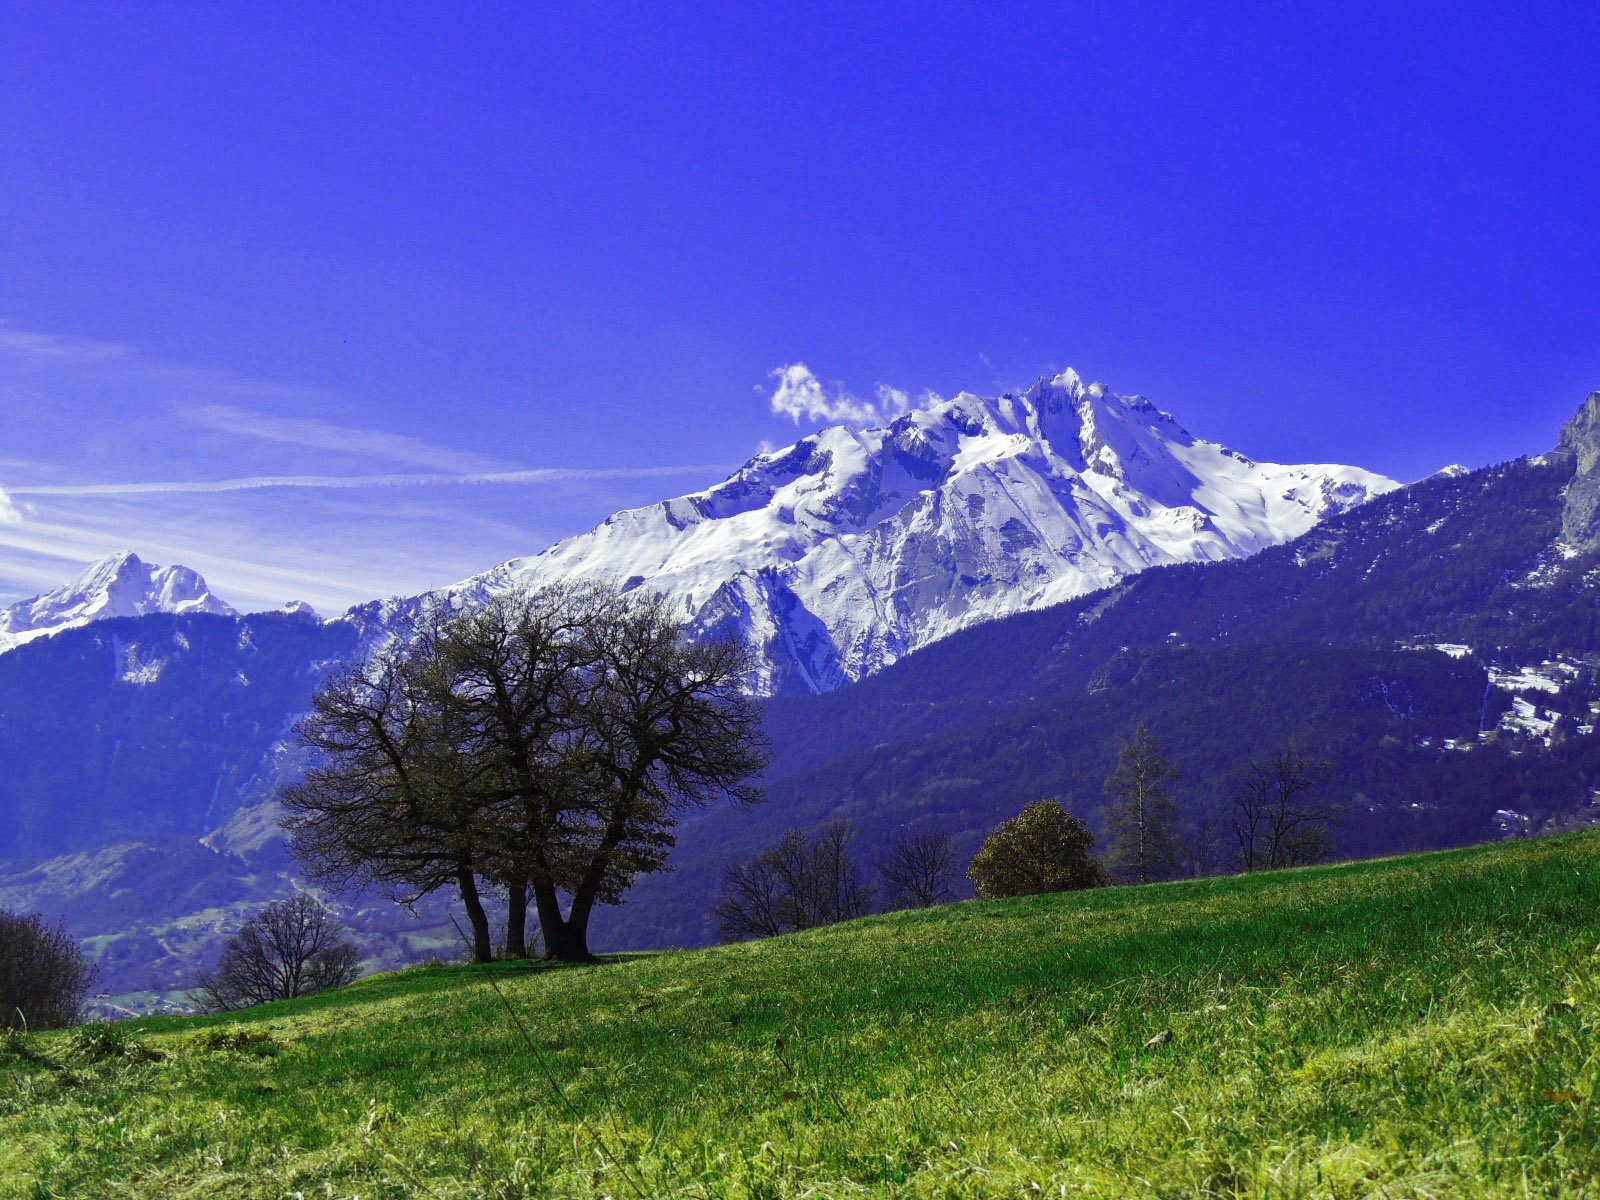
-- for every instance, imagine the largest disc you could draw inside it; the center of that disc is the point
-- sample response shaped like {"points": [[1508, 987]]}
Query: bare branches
{"points": [[920, 871], [1279, 818], [44, 976], [796, 883], [290, 948], [1143, 819]]}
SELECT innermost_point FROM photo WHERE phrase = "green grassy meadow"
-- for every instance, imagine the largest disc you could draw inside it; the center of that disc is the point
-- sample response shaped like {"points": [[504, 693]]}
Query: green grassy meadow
{"points": [[1417, 1027]]}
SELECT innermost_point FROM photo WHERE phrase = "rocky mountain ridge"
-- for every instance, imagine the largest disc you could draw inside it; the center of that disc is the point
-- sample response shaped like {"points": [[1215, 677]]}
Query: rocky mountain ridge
{"points": [[836, 556], [123, 585]]}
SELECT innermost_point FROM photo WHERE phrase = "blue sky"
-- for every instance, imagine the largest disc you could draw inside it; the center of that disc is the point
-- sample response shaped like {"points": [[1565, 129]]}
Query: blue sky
{"points": [[360, 244]]}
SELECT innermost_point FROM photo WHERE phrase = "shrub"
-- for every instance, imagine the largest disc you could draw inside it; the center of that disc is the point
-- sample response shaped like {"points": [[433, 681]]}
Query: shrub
{"points": [[44, 976], [1041, 849]]}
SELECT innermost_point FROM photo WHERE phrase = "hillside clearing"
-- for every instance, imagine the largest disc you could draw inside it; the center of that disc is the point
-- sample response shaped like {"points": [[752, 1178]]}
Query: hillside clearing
{"points": [[1423, 1026]]}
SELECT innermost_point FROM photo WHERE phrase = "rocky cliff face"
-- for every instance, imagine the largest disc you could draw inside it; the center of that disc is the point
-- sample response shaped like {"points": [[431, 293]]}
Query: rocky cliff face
{"points": [[1580, 438]]}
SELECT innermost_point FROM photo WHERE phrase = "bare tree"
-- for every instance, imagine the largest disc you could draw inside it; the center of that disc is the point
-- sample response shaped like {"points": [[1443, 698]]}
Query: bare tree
{"points": [[44, 976], [545, 741], [1143, 819], [796, 883], [395, 797], [290, 948], [920, 870], [758, 894], [1279, 817], [1206, 848]]}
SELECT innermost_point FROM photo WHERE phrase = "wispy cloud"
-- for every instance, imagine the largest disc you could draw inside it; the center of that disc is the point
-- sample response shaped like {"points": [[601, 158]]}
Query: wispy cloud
{"points": [[315, 433], [248, 583], [800, 395], [50, 347], [8, 511], [534, 476]]}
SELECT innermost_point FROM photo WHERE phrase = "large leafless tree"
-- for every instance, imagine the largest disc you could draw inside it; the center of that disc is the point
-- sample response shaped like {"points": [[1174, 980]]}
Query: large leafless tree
{"points": [[547, 742]]}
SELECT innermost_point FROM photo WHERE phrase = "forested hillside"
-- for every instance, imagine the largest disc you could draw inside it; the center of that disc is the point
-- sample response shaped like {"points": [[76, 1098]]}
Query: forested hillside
{"points": [[1328, 642]]}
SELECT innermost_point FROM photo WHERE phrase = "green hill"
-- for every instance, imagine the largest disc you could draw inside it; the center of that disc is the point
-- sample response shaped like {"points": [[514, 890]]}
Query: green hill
{"points": [[1425, 1026]]}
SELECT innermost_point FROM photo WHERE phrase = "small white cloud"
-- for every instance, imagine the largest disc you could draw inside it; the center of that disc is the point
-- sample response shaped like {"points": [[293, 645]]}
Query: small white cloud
{"points": [[8, 511], [800, 395], [892, 401]]}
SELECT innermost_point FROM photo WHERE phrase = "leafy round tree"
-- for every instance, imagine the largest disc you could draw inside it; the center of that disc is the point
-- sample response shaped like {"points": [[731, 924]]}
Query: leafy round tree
{"points": [[1043, 848], [44, 976]]}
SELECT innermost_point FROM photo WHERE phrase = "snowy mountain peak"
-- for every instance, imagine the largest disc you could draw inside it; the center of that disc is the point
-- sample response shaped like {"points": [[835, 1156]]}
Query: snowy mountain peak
{"points": [[836, 555], [121, 585]]}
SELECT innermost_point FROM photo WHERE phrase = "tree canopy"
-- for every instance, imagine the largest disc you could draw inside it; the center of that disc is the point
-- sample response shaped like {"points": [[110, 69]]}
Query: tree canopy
{"points": [[1041, 849], [544, 741]]}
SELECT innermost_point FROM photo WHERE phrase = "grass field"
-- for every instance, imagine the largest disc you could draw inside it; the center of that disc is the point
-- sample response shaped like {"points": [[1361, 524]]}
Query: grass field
{"points": [[1426, 1026]]}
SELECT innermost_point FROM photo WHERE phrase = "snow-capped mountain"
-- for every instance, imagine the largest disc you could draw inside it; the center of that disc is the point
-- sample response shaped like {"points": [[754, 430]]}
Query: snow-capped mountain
{"points": [[122, 585], [841, 553]]}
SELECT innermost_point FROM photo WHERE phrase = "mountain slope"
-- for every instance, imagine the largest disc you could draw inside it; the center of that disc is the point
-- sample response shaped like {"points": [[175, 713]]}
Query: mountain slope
{"points": [[133, 728], [1311, 639], [1324, 640], [850, 549], [122, 585]]}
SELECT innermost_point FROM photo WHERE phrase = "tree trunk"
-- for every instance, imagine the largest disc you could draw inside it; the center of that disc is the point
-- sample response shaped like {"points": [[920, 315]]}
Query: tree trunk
{"points": [[1144, 830], [517, 919], [566, 939], [482, 946]]}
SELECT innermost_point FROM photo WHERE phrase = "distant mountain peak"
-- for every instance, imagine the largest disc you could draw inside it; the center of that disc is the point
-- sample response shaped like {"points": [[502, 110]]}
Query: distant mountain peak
{"points": [[839, 554], [119, 585], [299, 608]]}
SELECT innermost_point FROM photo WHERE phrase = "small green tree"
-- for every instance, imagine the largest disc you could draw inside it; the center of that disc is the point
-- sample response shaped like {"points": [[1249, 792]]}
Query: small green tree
{"points": [[1142, 821], [1043, 848]]}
